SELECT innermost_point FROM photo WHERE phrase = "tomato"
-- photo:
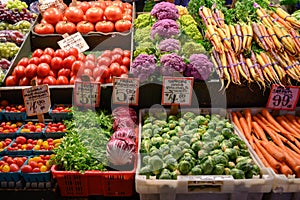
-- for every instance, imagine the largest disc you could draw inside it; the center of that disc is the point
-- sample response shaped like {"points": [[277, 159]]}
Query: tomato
{"points": [[44, 28], [34, 60], [94, 14], [127, 5], [46, 59], [23, 61], [127, 53], [91, 57], [88, 72], [100, 4], [105, 26], [102, 71], [109, 79], [24, 81], [81, 57], [64, 72], [62, 80], [127, 17], [72, 52], [108, 3], [123, 25], [116, 58], [126, 61], [72, 79], [113, 13], [63, 27], [30, 70], [76, 66], [26, 168], [124, 76], [84, 5], [118, 3], [124, 69], [50, 80], [74, 14], [89, 64], [115, 69], [37, 53], [53, 73], [106, 53], [19, 71], [52, 15], [59, 53], [100, 79], [11, 81], [56, 63], [117, 50], [43, 69], [85, 27], [68, 61], [49, 51], [103, 61]]}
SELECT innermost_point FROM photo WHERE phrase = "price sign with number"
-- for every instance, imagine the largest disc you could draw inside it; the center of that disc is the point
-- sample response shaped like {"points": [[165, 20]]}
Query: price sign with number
{"points": [[36, 99], [125, 91], [177, 90], [283, 98], [87, 94], [75, 40]]}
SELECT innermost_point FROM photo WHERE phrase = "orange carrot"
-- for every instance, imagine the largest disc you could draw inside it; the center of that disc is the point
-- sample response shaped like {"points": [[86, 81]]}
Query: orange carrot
{"points": [[288, 127], [262, 118], [259, 131], [293, 126], [294, 147], [261, 156], [286, 170], [246, 130], [272, 161], [239, 114], [292, 162], [235, 120], [248, 117], [292, 119], [278, 155]]}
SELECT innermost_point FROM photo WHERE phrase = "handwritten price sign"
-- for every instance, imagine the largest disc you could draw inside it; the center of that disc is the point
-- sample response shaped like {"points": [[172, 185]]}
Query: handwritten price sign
{"points": [[177, 91], [36, 99], [125, 91], [75, 40], [87, 94], [283, 98]]}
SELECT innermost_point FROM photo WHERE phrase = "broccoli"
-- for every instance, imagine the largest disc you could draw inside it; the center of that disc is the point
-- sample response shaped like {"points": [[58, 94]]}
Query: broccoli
{"points": [[190, 47], [144, 20], [142, 34]]}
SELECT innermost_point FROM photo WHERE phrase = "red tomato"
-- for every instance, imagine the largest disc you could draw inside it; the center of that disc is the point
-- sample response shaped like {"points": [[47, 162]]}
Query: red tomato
{"points": [[91, 57], [85, 26], [81, 57], [24, 81], [19, 71], [59, 53], [123, 25], [34, 60], [117, 50], [76, 66], [52, 15], [127, 17], [104, 61], [50, 80], [100, 79], [127, 5], [115, 69], [26, 168], [105, 26], [124, 69], [84, 5], [100, 4], [109, 79], [72, 79], [102, 71], [87, 72], [68, 61], [63, 27], [43, 69], [118, 3], [89, 64], [94, 14], [74, 14], [23, 61], [45, 59], [49, 51], [37, 53], [11, 81], [127, 11], [39, 80], [56, 63], [106, 53], [53, 73], [44, 28], [126, 61], [72, 52], [127, 53], [64, 72], [113, 13], [62, 80], [30, 70], [116, 58], [124, 76]]}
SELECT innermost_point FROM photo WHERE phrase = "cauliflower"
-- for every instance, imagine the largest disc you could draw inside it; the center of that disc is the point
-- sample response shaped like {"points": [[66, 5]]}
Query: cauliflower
{"points": [[143, 66], [200, 67], [165, 10], [171, 63], [165, 28], [169, 45]]}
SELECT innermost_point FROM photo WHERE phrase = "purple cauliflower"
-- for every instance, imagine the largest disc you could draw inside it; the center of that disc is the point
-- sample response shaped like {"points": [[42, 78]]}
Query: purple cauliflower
{"points": [[171, 63], [165, 28], [165, 10], [143, 66], [169, 45], [200, 67]]}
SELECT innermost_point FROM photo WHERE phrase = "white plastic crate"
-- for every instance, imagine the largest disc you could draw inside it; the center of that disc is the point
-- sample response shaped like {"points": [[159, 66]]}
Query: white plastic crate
{"points": [[200, 187], [283, 187]]}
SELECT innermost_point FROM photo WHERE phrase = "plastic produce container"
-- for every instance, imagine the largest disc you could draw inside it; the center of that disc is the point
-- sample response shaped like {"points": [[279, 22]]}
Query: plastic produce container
{"points": [[187, 187], [36, 176], [60, 116], [15, 116]]}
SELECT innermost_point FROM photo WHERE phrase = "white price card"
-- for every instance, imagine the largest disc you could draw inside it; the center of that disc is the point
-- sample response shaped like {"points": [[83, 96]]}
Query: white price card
{"points": [[177, 91], [283, 98], [45, 4], [125, 91], [36, 99], [75, 40], [87, 94]]}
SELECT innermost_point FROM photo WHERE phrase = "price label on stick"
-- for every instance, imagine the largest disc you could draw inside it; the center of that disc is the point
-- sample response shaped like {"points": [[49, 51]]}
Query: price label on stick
{"points": [[177, 91], [87, 94], [36, 99], [283, 98], [75, 40], [125, 91]]}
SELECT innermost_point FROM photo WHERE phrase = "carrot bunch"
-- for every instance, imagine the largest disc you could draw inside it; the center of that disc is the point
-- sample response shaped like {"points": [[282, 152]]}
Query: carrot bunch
{"points": [[274, 139]]}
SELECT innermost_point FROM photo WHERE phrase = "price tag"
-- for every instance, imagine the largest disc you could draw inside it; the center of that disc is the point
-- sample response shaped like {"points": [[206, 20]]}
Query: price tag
{"points": [[177, 90], [44, 4], [75, 40], [87, 94], [283, 98], [36, 99], [125, 91]]}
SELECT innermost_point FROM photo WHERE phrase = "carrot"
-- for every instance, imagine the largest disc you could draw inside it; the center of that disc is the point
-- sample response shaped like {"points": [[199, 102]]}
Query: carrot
{"points": [[254, 75], [234, 38], [244, 67], [258, 33], [283, 38], [240, 36], [272, 161], [277, 43], [236, 121], [280, 21], [263, 17], [237, 66], [262, 118], [267, 60], [218, 67], [278, 155], [287, 17], [214, 37], [285, 125], [259, 131], [266, 37], [286, 170], [265, 67], [232, 69], [250, 37], [248, 117], [247, 131], [292, 162], [296, 132], [295, 37], [256, 67], [261, 156], [292, 153], [224, 64], [293, 120], [224, 39], [279, 70], [294, 147]]}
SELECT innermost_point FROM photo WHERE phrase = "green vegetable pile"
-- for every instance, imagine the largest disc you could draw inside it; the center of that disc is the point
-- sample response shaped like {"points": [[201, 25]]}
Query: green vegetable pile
{"points": [[190, 144], [189, 28], [84, 146]]}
